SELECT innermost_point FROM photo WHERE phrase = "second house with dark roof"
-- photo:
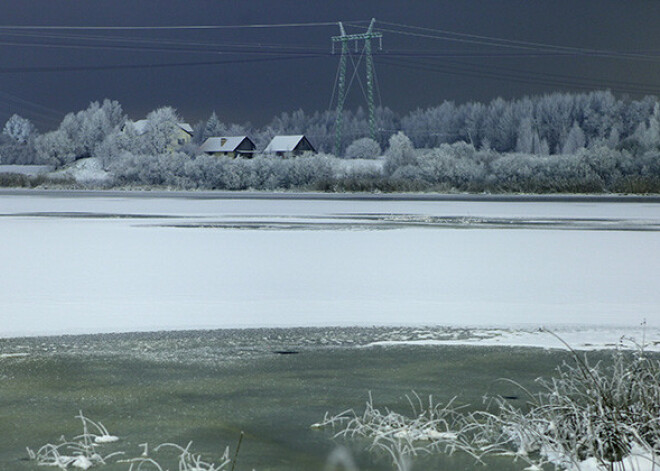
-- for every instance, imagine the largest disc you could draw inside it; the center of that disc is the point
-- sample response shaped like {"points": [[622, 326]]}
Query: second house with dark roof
{"points": [[285, 146], [229, 146]]}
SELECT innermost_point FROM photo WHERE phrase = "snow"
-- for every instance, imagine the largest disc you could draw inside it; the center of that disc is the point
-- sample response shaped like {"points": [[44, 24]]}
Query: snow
{"points": [[583, 338], [639, 459], [83, 171], [30, 170], [107, 264], [221, 144], [102, 439], [283, 143]]}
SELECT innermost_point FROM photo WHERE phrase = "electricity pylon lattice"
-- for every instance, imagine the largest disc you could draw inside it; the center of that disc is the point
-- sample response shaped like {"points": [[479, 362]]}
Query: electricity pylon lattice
{"points": [[344, 39]]}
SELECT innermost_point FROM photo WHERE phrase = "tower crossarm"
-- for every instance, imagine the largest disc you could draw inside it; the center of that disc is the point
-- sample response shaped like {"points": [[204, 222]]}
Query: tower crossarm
{"points": [[356, 37]]}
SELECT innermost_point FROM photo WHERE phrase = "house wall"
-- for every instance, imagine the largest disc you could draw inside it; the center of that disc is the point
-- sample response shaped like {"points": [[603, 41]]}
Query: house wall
{"points": [[181, 137]]}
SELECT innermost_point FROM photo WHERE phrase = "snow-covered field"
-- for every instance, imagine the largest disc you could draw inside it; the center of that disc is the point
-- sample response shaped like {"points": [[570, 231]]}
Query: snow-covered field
{"points": [[105, 264]]}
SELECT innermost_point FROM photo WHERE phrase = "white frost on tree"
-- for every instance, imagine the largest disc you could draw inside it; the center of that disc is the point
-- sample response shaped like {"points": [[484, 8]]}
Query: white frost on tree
{"points": [[575, 140], [365, 148], [401, 153], [649, 134], [55, 148], [79, 134], [18, 128], [613, 139], [525, 141], [161, 131]]}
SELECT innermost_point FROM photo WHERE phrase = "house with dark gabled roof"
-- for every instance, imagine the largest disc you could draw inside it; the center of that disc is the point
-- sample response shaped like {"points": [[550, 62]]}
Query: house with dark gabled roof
{"points": [[229, 146], [289, 145]]}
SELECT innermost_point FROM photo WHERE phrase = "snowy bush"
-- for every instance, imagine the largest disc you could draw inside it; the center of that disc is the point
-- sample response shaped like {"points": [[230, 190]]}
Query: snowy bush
{"points": [[588, 416], [56, 148], [601, 416], [365, 148], [13, 152], [431, 428], [400, 153], [457, 165], [82, 452]]}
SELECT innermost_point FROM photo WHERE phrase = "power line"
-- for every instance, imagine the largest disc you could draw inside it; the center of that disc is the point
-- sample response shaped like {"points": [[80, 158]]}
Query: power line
{"points": [[445, 35], [157, 49], [513, 77], [156, 41], [44, 69], [170, 28]]}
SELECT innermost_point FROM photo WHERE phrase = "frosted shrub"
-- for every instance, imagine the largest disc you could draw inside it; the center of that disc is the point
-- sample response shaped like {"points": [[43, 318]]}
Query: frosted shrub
{"points": [[431, 428], [603, 415], [544, 174], [305, 170], [587, 417], [365, 148], [55, 148], [160, 169], [81, 452], [408, 173], [400, 153], [610, 165], [267, 173], [456, 165]]}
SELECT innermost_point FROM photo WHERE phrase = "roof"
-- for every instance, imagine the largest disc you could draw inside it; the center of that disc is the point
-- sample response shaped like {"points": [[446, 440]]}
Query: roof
{"points": [[141, 126], [222, 144], [283, 143], [186, 127]]}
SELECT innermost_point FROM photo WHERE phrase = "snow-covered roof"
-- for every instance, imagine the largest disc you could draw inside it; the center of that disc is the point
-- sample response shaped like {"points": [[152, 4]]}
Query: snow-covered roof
{"points": [[141, 126], [222, 144], [186, 127], [283, 143]]}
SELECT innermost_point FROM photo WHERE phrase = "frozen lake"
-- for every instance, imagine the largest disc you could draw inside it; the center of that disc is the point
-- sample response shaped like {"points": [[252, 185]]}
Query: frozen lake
{"points": [[114, 263]]}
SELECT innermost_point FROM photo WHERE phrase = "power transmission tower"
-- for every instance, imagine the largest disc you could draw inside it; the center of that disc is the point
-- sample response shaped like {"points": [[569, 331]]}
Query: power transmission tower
{"points": [[344, 39]]}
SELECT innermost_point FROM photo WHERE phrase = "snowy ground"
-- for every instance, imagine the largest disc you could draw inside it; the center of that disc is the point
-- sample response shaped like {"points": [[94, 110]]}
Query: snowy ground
{"points": [[30, 170], [105, 264]]}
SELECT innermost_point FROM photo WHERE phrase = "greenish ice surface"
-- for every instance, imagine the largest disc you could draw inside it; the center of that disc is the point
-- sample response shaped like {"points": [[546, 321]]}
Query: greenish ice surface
{"points": [[271, 384]]}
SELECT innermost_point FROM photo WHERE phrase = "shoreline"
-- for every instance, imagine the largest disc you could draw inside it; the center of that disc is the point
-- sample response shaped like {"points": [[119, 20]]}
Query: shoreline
{"points": [[319, 196]]}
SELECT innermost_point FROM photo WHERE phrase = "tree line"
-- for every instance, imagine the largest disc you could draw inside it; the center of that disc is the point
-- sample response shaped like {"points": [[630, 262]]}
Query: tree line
{"points": [[576, 142]]}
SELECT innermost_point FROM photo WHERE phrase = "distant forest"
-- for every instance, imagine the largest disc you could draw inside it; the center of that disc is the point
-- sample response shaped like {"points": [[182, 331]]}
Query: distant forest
{"points": [[560, 142]]}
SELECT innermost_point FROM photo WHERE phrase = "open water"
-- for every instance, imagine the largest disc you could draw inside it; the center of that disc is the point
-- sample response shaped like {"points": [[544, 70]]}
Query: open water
{"points": [[271, 384]]}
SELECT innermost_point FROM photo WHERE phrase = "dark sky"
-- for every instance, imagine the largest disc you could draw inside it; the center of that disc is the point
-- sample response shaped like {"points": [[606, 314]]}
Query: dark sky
{"points": [[252, 74]]}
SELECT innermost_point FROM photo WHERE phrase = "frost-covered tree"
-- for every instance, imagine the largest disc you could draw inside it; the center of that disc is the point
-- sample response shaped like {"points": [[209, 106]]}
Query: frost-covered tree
{"points": [[88, 128], [160, 133], [648, 133], [56, 148], [399, 154], [525, 141], [613, 139], [364, 148], [214, 127], [575, 140], [19, 129], [79, 134]]}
